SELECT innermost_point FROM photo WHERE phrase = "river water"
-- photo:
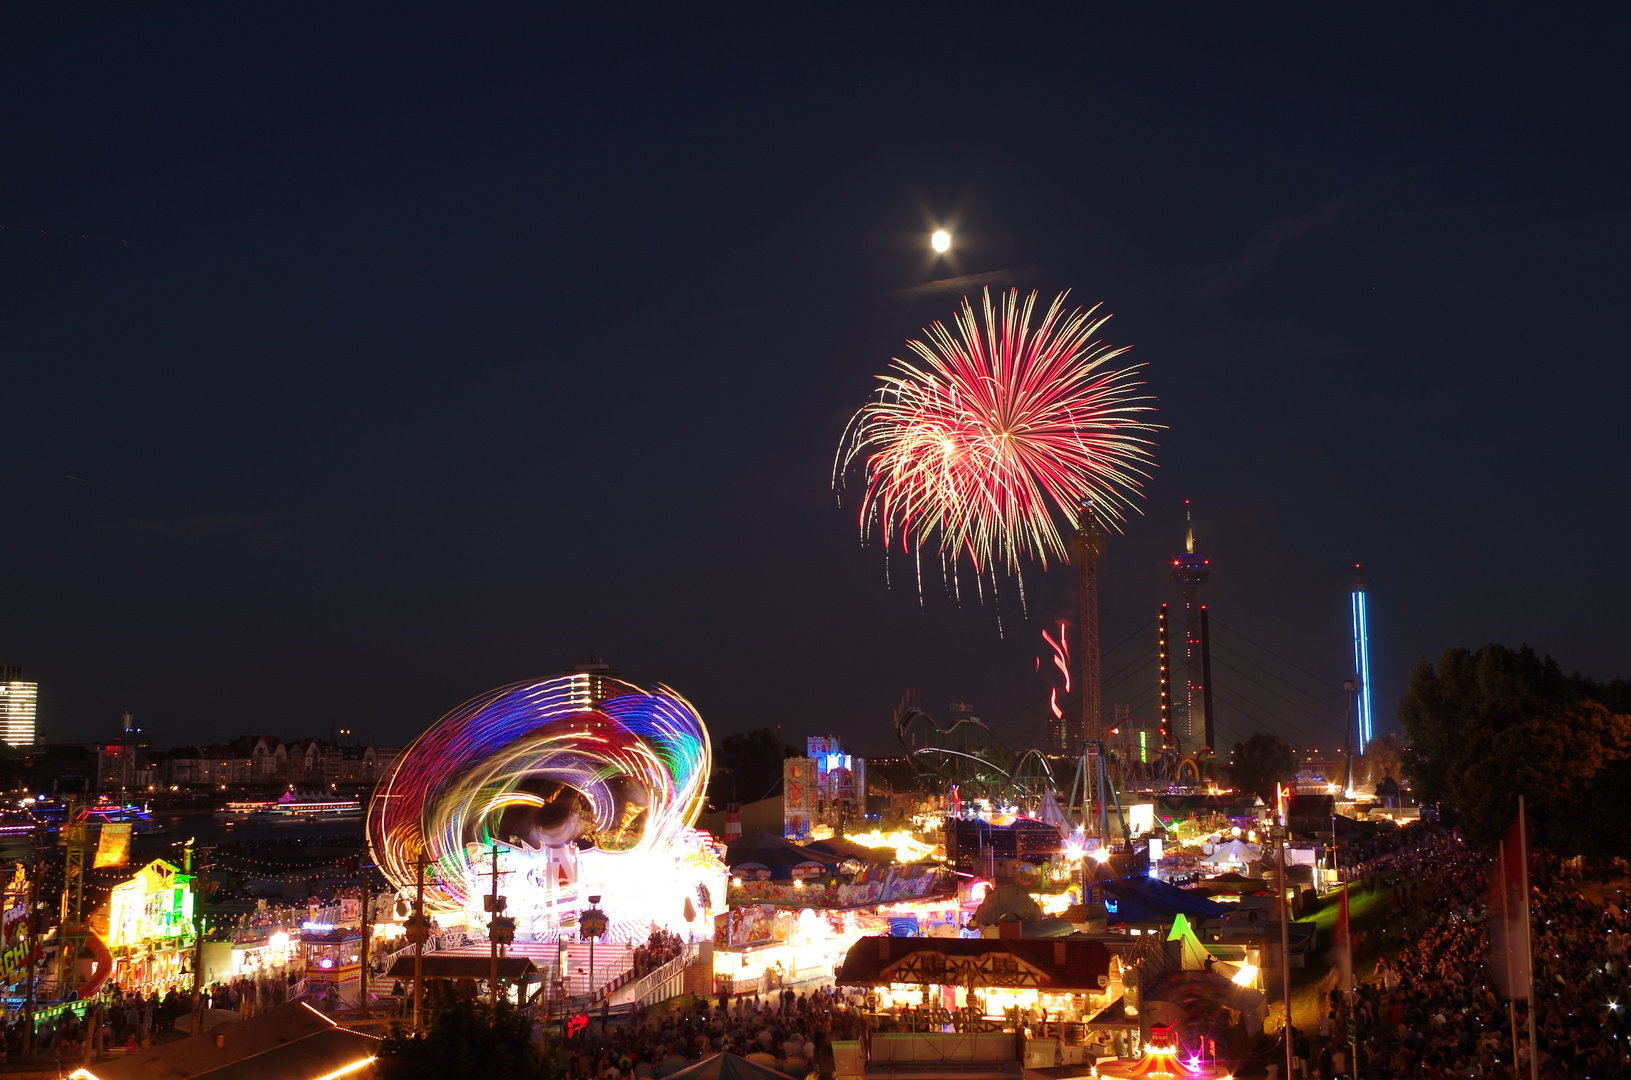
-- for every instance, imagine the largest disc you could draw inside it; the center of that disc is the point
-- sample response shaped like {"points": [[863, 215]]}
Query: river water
{"points": [[167, 834]]}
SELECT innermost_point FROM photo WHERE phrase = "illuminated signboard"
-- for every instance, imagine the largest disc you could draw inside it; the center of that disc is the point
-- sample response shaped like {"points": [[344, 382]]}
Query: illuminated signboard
{"points": [[14, 940]]}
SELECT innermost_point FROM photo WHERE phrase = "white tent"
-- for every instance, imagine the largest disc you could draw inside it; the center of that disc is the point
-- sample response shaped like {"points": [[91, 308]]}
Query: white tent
{"points": [[1235, 852], [1049, 812]]}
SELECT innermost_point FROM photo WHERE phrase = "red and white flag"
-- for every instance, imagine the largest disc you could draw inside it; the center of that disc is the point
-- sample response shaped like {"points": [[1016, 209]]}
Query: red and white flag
{"points": [[1509, 917]]}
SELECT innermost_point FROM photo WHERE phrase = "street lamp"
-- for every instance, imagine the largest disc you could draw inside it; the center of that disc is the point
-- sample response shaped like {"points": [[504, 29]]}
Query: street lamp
{"points": [[592, 924]]}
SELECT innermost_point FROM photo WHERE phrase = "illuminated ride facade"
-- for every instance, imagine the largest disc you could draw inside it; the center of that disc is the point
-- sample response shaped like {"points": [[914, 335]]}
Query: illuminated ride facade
{"points": [[580, 786], [149, 928]]}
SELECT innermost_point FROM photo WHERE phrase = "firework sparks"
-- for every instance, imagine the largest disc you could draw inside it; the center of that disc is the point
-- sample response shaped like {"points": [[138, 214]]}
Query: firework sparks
{"points": [[996, 432]]}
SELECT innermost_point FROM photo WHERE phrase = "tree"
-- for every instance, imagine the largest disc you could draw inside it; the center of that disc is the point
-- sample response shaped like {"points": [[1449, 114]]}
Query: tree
{"points": [[1261, 762], [465, 1038], [1381, 759], [1604, 813], [1434, 730], [1489, 725], [1440, 706], [748, 767], [1557, 757]]}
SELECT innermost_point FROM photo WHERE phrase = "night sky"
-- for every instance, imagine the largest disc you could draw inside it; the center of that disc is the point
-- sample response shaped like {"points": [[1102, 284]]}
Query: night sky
{"points": [[357, 360]]}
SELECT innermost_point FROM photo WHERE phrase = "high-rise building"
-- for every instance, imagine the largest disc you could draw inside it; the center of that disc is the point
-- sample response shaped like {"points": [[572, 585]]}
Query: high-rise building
{"points": [[1190, 571], [1062, 731], [19, 702], [592, 683]]}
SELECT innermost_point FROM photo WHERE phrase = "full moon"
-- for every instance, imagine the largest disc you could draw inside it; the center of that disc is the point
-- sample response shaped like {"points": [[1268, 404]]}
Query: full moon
{"points": [[941, 240]]}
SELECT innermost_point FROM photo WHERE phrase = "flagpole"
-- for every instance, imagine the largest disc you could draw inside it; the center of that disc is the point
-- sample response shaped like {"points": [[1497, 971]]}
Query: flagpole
{"points": [[1281, 836], [1348, 980], [1528, 945], [1506, 949]]}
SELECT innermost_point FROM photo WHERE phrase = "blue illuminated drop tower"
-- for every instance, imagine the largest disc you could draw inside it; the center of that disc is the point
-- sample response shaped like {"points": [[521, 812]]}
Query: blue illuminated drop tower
{"points": [[1360, 729], [1190, 571]]}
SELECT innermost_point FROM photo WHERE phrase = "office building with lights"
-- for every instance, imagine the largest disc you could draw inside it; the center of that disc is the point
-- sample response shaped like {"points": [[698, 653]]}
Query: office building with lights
{"points": [[592, 683], [19, 701]]}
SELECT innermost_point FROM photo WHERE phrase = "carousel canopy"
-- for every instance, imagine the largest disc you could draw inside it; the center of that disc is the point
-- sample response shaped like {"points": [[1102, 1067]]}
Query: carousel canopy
{"points": [[765, 849], [842, 847], [1140, 899], [1114, 1017], [1237, 852], [1057, 965]]}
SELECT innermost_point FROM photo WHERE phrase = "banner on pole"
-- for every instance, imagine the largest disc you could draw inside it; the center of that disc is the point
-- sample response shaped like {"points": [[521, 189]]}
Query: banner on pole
{"points": [[1508, 922]]}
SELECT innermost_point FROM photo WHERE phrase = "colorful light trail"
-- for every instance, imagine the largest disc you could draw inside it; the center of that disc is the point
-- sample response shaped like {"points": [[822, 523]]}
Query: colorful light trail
{"points": [[581, 794]]}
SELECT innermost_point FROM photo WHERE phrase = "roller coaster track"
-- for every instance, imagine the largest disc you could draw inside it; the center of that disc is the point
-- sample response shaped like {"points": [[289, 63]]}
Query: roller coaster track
{"points": [[983, 765]]}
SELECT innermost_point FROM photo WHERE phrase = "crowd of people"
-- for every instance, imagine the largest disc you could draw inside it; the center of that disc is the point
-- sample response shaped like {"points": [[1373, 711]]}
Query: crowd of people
{"points": [[131, 1019], [1434, 1010], [125, 1019], [789, 1031], [661, 947]]}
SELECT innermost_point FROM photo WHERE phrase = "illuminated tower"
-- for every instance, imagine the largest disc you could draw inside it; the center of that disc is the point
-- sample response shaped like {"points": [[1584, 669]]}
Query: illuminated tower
{"points": [[1164, 677], [1190, 572], [18, 700], [1361, 626], [1089, 546]]}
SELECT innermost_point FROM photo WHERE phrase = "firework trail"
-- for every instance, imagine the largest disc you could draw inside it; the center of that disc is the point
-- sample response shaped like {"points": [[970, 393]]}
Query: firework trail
{"points": [[996, 432], [1061, 654], [1061, 660]]}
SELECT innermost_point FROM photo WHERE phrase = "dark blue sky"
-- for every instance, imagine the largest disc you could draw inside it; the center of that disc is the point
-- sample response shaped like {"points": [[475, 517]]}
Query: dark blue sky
{"points": [[405, 352]]}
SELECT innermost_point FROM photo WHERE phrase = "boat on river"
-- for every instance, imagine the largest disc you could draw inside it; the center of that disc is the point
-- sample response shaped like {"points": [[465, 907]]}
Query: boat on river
{"points": [[291, 806]]}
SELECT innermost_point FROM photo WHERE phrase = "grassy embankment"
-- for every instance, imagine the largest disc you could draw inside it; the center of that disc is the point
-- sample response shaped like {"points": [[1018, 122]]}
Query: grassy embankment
{"points": [[1368, 911]]}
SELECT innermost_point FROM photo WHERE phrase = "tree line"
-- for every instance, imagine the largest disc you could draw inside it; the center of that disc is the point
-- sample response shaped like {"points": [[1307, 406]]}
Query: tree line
{"points": [[1484, 727]]}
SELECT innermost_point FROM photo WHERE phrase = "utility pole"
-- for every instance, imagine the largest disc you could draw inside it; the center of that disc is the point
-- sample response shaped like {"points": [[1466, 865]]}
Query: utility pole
{"points": [[418, 929], [198, 939], [500, 929], [592, 922], [367, 932], [1282, 839], [1528, 941], [418, 933], [31, 924], [492, 937]]}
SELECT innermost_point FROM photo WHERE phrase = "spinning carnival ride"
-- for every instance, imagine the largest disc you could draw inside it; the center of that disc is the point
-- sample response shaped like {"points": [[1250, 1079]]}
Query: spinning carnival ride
{"points": [[581, 785]]}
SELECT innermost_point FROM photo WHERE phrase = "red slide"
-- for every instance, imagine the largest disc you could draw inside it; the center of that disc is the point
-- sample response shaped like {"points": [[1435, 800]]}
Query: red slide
{"points": [[104, 963]]}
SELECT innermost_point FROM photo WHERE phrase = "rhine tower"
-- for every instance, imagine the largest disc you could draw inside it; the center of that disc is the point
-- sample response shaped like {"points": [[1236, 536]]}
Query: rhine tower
{"points": [[1190, 571]]}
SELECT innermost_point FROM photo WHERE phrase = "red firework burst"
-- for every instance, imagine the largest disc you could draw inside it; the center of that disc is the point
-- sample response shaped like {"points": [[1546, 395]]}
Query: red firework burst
{"points": [[995, 434]]}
